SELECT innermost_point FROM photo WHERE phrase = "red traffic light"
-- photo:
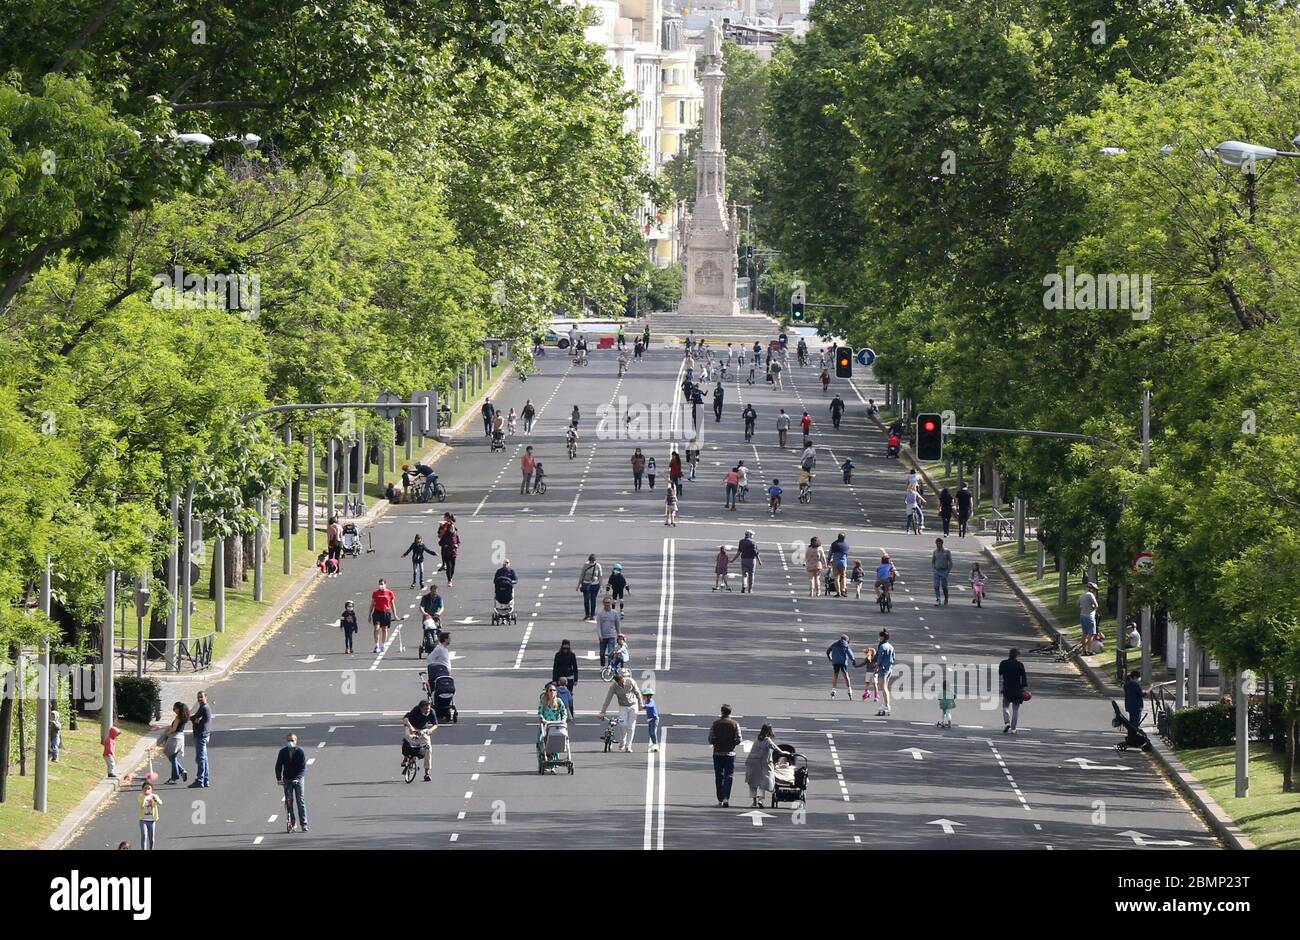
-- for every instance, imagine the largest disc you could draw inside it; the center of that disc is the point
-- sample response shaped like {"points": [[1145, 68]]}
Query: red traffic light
{"points": [[929, 425]]}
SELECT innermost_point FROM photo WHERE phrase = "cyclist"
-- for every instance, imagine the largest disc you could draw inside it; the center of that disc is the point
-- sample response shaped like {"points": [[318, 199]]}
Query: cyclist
{"points": [[742, 485], [750, 416], [915, 516], [774, 496], [571, 440], [885, 575], [420, 722], [574, 416]]}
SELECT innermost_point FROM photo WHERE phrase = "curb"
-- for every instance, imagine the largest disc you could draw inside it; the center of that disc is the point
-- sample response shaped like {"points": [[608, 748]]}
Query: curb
{"points": [[300, 588], [1223, 825]]}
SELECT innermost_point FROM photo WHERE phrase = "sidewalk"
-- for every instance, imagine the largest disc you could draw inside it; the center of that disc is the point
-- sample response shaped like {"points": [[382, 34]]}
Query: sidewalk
{"points": [[178, 687]]}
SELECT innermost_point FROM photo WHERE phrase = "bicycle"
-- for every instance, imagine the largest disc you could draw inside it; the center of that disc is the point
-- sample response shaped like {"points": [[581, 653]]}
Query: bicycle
{"points": [[611, 733], [885, 598], [805, 492], [540, 487], [411, 755], [354, 507], [573, 449], [430, 489], [913, 523]]}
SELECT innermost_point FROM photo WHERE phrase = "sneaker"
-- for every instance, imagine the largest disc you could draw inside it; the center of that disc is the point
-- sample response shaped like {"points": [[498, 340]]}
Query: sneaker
{"points": [[185, 775], [288, 826], [832, 693], [654, 748], [880, 713], [1013, 730], [305, 829], [427, 778], [864, 695], [726, 804], [196, 785], [1006, 728]]}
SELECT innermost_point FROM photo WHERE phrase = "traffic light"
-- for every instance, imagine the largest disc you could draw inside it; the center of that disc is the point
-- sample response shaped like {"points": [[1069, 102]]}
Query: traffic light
{"points": [[929, 437], [844, 362], [796, 310]]}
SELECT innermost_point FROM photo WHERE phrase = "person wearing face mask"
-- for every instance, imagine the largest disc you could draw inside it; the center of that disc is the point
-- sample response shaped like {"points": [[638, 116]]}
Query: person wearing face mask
{"points": [[291, 775]]}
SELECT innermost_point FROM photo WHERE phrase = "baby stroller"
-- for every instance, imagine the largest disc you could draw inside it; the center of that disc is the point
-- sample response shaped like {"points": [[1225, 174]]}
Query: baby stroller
{"points": [[553, 747], [351, 540], [503, 601], [444, 700], [1133, 735], [430, 638], [791, 776], [498, 440]]}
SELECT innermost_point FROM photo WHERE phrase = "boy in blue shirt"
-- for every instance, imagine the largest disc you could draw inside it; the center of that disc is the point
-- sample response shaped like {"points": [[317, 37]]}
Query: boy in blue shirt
{"points": [[564, 694], [774, 496], [651, 717]]}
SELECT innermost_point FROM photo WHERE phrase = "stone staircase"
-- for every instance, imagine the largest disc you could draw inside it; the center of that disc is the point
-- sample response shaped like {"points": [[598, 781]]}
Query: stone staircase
{"points": [[742, 327]]}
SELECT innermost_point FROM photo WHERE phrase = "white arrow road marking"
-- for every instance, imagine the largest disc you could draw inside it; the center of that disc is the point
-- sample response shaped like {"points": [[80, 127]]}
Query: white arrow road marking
{"points": [[916, 752], [466, 620], [757, 816], [947, 825], [1141, 839], [311, 658], [591, 654], [1086, 764]]}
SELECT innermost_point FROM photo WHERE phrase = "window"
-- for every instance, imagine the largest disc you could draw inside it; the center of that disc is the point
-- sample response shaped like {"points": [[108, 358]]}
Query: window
{"points": [[681, 112]]}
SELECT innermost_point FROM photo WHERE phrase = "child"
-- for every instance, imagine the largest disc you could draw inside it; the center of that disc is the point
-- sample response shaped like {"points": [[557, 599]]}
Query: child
{"points": [[977, 582], [847, 467], [720, 569], [651, 717], [670, 506], [650, 472], [869, 663], [805, 480], [774, 496], [348, 624], [857, 576], [149, 805], [947, 704], [56, 737], [564, 694], [538, 475], [110, 751], [510, 422]]}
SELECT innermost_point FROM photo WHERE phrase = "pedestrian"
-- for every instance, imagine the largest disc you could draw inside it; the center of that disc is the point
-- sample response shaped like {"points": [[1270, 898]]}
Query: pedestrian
{"points": [[110, 752], [150, 804], [638, 469], [1088, 615], [383, 603], [675, 472], [334, 542], [720, 565], [565, 694], [839, 558], [840, 655], [348, 624], [814, 561], [527, 467], [201, 724], [760, 769], [750, 379], [489, 412], [56, 735], [964, 502], [650, 472], [857, 577], [782, 428], [747, 552], [1134, 697], [837, 411], [449, 546], [630, 701], [945, 509], [589, 579], [173, 741], [1015, 683], [616, 587], [805, 425], [670, 506], [510, 422], [651, 717], [776, 374], [825, 380], [941, 563], [565, 666], [885, 656], [718, 395], [528, 413], [291, 776], [416, 551], [438, 662], [732, 487], [724, 735], [978, 584]]}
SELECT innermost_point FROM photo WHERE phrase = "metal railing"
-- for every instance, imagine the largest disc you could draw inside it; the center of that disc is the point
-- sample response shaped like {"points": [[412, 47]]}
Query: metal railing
{"points": [[193, 654]]}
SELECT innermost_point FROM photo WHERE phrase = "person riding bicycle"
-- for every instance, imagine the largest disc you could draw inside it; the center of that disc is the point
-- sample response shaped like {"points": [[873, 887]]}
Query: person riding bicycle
{"points": [[420, 722], [774, 496], [885, 575], [895, 444], [805, 481], [742, 484], [571, 439], [619, 659], [751, 417]]}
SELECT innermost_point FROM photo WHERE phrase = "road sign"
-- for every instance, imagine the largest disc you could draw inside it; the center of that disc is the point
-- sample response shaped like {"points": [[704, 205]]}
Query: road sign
{"points": [[1143, 562], [427, 419], [392, 412], [866, 356]]}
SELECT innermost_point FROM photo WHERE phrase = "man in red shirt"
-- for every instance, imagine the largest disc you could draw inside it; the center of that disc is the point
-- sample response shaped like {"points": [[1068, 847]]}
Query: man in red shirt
{"points": [[382, 604], [527, 466], [806, 423]]}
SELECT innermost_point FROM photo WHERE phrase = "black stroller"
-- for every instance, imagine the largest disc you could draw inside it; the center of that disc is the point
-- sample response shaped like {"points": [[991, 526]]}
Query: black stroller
{"points": [[1133, 735], [351, 540], [503, 601], [498, 440], [444, 700], [429, 640], [791, 776]]}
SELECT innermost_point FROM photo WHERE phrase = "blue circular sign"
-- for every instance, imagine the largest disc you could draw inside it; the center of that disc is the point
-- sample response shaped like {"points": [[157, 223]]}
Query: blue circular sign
{"points": [[866, 355]]}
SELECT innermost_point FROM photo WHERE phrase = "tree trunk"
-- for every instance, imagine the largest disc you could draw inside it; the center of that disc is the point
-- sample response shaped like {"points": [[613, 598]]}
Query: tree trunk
{"points": [[234, 561], [245, 554], [7, 728], [296, 497]]}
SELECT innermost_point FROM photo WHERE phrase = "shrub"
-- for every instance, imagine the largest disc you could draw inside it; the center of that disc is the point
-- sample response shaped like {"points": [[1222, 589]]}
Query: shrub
{"points": [[1203, 726], [139, 699]]}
